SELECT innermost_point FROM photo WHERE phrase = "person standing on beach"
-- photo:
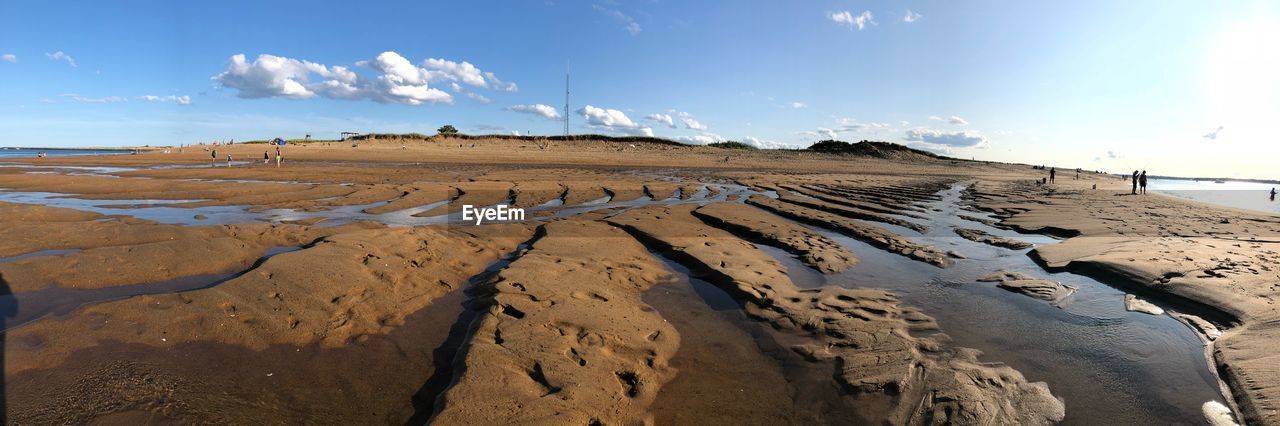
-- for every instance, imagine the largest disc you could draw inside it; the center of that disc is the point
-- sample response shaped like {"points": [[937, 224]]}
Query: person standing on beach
{"points": [[1135, 183], [1053, 172], [214, 155], [1142, 181], [266, 159], [228, 160], [1273, 194], [278, 158]]}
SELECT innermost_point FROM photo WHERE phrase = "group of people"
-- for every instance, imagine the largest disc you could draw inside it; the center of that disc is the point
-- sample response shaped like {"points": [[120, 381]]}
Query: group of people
{"points": [[1139, 180], [266, 157]]}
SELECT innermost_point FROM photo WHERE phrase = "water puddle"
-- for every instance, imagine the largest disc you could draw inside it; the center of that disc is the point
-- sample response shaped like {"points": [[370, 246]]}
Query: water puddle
{"points": [[57, 301], [57, 252], [1109, 365], [168, 211], [733, 367]]}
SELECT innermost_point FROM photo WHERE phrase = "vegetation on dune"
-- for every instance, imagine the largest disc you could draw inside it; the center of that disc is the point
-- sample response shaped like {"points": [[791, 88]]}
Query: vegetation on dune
{"points": [[870, 149], [732, 145], [447, 130]]}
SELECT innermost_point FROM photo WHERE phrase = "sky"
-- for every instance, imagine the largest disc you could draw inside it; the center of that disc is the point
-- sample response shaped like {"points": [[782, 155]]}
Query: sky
{"points": [[1189, 88]]}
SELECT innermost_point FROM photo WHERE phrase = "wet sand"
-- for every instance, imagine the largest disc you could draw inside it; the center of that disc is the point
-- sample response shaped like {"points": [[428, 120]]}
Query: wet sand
{"points": [[641, 272]]}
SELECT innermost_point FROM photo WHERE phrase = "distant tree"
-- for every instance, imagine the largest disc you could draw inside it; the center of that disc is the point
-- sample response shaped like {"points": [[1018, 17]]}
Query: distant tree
{"points": [[447, 129]]}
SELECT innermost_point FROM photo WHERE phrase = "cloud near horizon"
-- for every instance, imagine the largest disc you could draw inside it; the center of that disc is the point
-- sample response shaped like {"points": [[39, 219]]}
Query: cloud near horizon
{"points": [[395, 79], [546, 111], [612, 120], [180, 100], [941, 139], [10, 58]]}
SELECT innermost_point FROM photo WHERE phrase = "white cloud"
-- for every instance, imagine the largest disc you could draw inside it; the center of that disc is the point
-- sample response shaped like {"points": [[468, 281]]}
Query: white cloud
{"points": [[181, 100], [546, 111], [59, 56], [957, 121], [630, 24], [1214, 134], [846, 18], [934, 148], [797, 105], [851, 125], [1112, 154], [443, 69], [764, 143], [690, 122], [499, 84], [701, 139], [10, 58], [612, 120], [75, 97], [395, 79], [910, 17], [823, 133], [960, 139], [661, 119]]}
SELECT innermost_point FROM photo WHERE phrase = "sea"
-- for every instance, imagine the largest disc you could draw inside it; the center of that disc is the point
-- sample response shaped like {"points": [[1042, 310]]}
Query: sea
{"points": [[1241, 195], [31, 152]]}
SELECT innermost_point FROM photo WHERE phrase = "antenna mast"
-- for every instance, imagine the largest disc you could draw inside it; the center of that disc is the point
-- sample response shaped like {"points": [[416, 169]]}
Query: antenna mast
{"points": [[566, 99]]}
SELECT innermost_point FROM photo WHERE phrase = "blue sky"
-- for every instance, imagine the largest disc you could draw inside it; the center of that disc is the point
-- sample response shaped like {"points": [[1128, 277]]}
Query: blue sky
{"points": [[1093, 84]]}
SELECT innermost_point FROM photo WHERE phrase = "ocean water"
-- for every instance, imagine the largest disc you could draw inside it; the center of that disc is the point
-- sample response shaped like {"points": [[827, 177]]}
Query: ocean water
{"points": [[1241, 195], [31, 153]]}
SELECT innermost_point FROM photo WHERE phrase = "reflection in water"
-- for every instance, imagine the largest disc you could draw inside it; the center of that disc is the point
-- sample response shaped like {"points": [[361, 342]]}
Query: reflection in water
{"points": [[1108, 364]]}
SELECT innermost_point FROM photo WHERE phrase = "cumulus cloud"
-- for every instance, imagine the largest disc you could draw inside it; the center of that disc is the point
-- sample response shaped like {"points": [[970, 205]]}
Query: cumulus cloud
{"points": [[690, 122], [628, 22], [546, 111], [1214, 134], [765, 144], [180, 100], [661, 119], [612, 120], [700, 139], [846, 18], [394, 79], [960, 139], [957, 121], [59, 56], [10, 58], [443, 69], [797, 105], [910, 17]]}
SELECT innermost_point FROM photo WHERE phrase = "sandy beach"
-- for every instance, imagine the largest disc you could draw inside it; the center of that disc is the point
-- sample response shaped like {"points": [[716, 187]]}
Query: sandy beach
{"points": [[649, 283]]}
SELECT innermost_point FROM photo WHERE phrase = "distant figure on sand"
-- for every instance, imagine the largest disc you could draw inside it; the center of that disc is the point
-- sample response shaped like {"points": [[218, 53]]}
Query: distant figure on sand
{"points": [[1273, 194], [278, 159], [1135, 183], [266, 158], [1053, 172], [1142, 181], [213, 156], [228, 160]]}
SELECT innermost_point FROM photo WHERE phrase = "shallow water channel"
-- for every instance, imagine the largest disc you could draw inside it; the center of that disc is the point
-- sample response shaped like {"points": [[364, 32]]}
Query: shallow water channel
{"points": [[1109, 365]]}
